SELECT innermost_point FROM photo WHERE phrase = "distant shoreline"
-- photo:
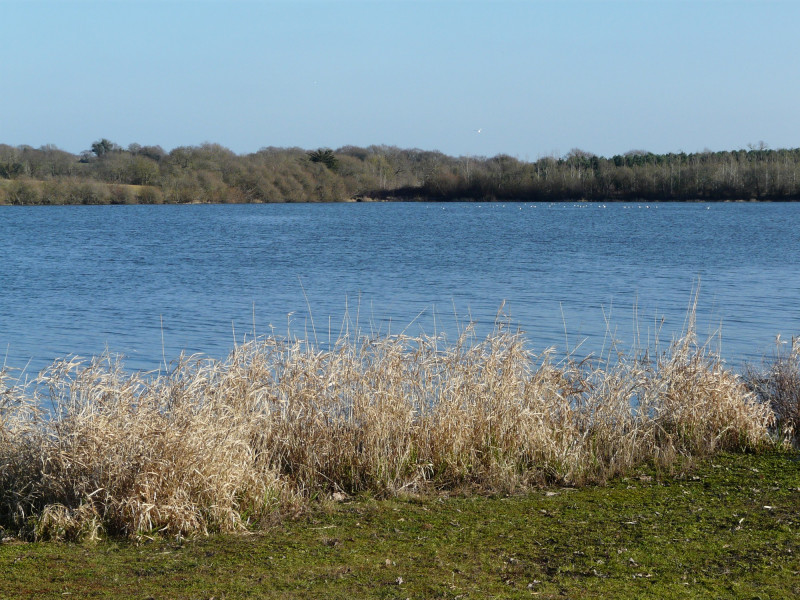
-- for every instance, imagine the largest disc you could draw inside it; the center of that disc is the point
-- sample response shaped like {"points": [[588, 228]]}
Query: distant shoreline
{"points": [[212, 174], [407, 200], [104, 194]]}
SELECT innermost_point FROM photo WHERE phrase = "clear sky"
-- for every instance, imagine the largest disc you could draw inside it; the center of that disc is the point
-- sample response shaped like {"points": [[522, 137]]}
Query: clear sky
{"points": [[536, 77]]}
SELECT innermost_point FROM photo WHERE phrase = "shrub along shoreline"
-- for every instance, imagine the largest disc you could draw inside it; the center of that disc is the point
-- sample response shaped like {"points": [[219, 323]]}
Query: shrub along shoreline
{"points": [[219, 446]]}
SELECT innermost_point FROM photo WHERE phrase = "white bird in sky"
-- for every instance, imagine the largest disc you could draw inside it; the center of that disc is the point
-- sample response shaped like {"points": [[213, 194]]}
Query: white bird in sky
{"points": [[479, 130]]}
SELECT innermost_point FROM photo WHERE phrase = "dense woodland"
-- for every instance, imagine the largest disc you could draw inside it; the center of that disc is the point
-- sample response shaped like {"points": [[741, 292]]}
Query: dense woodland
{"points": [[110, 174]]}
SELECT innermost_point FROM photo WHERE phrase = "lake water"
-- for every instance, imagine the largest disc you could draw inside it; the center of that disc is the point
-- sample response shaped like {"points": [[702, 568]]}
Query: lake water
{"points": [[151, 281]]}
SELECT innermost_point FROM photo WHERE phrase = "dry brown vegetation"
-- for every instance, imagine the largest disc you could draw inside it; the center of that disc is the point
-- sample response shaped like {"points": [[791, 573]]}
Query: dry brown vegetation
{"points": [[777, 383], [227, 445]]}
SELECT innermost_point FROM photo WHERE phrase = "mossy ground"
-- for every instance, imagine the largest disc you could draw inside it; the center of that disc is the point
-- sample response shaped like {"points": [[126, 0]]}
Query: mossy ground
{"points": [[728, 527]]}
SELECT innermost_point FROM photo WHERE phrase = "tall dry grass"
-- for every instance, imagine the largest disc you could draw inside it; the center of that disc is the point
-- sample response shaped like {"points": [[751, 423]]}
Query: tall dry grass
{"points": [[225, 445], [127, 455], [777, 383]]}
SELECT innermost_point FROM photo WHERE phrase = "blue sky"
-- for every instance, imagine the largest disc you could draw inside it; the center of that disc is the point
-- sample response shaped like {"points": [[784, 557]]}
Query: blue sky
{"points": [[537, 77]]}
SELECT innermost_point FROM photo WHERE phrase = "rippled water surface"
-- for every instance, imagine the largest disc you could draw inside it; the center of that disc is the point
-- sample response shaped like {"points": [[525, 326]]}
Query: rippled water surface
{"points": [[151, 281]]}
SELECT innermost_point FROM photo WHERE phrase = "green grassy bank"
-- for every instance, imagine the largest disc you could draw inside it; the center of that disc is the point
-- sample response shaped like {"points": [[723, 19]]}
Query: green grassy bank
{"points": [[724, 527]]}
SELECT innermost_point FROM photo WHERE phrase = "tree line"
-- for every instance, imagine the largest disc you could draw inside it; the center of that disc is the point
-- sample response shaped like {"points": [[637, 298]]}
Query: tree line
{"points": [[110, 174]]}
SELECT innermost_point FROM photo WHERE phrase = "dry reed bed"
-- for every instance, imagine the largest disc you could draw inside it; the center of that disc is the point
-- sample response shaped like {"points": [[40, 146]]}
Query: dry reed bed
{"points": [[777, 383], [220, 446]]}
